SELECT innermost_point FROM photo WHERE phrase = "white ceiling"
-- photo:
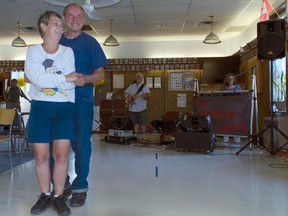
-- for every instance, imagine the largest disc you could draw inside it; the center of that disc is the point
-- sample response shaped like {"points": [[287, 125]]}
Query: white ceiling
{"points": [[141, 20]]}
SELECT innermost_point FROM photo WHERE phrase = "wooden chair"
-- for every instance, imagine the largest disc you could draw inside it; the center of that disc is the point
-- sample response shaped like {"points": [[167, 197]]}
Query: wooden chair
{"points": [[6, 120]]}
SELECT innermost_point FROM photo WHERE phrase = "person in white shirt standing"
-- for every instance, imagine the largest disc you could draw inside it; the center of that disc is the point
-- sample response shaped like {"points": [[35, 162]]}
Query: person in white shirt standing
{"points": [[50, 69], [136, 98]]}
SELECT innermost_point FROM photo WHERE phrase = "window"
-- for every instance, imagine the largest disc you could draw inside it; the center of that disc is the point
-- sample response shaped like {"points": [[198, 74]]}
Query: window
{"points": [[279, 79], [278, 89]]}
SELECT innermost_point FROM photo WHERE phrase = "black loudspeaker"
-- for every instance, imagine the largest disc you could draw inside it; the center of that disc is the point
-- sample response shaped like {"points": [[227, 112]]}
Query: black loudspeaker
{"points": [[195, 123], [271, 39], [121, 123]]}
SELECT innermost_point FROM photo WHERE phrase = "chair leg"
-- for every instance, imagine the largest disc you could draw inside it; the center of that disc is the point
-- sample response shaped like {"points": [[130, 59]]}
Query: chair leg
{"points": [[10, 154], [20, 141]]}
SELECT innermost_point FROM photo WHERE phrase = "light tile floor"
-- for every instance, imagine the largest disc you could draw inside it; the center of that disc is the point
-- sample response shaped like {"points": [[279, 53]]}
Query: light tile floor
{"points": [[123, 182]]}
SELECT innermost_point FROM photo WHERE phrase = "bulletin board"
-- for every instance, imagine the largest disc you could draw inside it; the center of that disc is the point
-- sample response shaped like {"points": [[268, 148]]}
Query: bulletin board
{"points": [[183, 80]]}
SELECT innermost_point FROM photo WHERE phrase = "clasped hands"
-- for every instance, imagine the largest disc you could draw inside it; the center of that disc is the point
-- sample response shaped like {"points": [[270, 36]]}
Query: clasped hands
{"points": [[78, 78]]}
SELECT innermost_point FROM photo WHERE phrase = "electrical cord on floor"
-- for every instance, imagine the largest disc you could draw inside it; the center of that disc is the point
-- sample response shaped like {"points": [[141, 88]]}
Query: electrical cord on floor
{"points": [[280, 165]]}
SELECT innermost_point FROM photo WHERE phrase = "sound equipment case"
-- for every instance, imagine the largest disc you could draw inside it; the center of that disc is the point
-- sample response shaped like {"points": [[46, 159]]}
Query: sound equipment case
{"points": [[195, 141], [195, 134], [120, 133], [121, 130], [120, 139]]}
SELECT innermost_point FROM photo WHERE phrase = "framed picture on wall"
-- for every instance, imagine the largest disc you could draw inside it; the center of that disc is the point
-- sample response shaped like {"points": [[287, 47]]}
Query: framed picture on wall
{"points": [[149, 82], [157, 82], [118, 81]]}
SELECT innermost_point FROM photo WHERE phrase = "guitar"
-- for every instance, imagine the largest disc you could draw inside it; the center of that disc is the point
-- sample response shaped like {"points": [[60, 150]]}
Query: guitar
{"points": [[134, 97], [132, 100]]}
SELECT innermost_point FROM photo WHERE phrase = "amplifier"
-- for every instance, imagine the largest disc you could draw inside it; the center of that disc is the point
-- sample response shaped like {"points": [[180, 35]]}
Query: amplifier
{"points": [[121, 140], [197, 123], [121, 123], [195, 141], [120, 133]]}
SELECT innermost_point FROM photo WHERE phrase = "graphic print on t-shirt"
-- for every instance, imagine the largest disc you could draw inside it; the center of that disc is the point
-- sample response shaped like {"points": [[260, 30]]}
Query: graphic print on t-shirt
{"points": [[50, 68]]}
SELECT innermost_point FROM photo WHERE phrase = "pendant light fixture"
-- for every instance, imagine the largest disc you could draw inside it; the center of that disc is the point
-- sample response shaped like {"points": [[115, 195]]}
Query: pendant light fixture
{"points": [[212, 38], [111, 40], [18, 41]]}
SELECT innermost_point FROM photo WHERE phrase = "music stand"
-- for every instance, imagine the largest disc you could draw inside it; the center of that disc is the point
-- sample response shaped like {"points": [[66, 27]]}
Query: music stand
{"points": [[272, 125], [112, 97], [114, 106]]}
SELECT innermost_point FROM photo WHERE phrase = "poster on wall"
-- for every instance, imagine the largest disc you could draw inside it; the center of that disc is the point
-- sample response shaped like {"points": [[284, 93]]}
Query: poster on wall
{"points": [[176, 81], [157, 82], [181, 100], [182, 81], [118, 80], [149, 82]]}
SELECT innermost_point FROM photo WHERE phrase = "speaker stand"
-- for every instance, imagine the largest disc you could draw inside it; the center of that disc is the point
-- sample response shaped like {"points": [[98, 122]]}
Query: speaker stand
{"points": [[272, 125], [254, 108]]}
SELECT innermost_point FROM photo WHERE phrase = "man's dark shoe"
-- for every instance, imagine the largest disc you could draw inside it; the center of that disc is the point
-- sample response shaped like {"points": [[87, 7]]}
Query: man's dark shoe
{"points": [[78, 199], [60, 206], [42, 204]]}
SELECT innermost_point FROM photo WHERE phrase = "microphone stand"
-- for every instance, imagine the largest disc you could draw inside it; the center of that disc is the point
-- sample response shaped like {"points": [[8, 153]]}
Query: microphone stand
{"points": [[112, 97]]}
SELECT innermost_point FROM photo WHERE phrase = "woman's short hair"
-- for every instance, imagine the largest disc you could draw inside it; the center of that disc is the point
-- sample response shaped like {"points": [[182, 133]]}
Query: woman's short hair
{"points": [[44, 18]]}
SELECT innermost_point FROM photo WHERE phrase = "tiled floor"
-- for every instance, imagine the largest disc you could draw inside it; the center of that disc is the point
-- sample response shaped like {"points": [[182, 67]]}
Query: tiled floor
{"points": [[123, 182]]}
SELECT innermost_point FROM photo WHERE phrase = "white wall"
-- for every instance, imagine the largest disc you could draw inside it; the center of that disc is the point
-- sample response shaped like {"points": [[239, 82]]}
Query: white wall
{"points": [[7, 52], [165, 49]]}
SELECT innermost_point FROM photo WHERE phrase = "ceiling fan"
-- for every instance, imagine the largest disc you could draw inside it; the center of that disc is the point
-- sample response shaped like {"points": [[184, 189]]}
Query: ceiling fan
{"points": [[88, 7]]}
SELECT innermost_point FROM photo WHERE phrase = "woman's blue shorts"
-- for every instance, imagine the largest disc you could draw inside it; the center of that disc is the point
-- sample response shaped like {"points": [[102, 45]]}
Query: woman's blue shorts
{"points": [[50, 121]]}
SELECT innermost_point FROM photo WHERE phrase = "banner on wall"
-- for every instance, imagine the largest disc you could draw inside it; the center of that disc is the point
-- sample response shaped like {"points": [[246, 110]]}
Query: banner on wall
{"points": [[230, 113]]}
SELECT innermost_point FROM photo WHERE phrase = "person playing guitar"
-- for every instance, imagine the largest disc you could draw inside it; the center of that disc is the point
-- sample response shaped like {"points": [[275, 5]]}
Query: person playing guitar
{"points": [[136, 101]]}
